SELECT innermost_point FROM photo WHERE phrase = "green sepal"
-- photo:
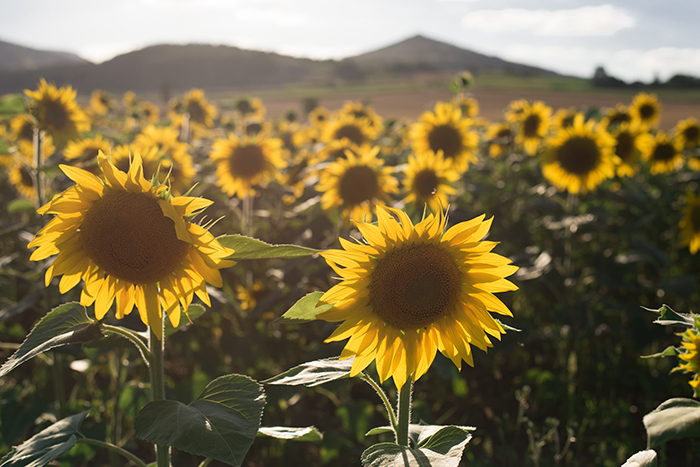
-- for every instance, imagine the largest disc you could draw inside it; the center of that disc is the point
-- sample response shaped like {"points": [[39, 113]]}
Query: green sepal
{"points": [[670, 351], [668, 317]]}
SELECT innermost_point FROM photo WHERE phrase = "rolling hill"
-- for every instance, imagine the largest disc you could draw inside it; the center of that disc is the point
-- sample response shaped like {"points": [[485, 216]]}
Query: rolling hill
{"points": [[17, 57], [174, 68]]}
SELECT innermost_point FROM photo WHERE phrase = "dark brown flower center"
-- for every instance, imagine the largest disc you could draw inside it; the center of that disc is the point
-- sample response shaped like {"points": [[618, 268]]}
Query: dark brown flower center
{"points": [[358, 183], [695, 218], [692, 134], [663, 152], [647, 111], [253, 128], [531, 126], [445, 138], [625, 146], [247, 161], [56, 115], [579, 155], [197, 112], [127, 235], [351, 132], [425, 184], [414, 285]]}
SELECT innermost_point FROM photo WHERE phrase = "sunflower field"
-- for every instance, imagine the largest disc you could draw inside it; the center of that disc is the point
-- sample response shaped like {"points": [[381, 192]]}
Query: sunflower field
{"points": [[205, 285]]}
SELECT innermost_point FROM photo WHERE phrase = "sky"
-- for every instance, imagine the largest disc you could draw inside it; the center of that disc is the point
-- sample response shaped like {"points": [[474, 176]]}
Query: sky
{"points": [[632, 39]]}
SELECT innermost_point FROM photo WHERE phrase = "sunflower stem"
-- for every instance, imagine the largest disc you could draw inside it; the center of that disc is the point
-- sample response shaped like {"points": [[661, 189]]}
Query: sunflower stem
{"points": [[247, 226], [382, 395], [157, 347], [404, 413], [133, 337], [37, 140], [114, 448]]}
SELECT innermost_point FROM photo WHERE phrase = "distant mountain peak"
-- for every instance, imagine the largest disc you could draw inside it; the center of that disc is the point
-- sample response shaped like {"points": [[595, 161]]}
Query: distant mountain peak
{"points": [[18, 57]]}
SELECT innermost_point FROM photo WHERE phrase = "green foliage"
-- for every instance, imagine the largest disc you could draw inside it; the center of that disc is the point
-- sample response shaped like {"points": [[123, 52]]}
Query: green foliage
{"points": [[314, 373], [4, 148], [433, 447], [676, 418], [47, 445], [309, 433], [252, 248], [20, 205], [221, 423], [306, 309], [65, 324], [11, 106], [668, 317]]}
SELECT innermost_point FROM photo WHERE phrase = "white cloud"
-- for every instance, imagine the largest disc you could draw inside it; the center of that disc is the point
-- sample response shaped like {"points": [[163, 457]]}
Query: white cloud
{"points": [[271, 17], [603, 20]]}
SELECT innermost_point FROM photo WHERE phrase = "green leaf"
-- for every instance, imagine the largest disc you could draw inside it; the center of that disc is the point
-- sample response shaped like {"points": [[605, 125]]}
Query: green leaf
{"points": [[194, 311], [21, 205], [314, 373], [65, 324], [252, 248], [670, 351], [47, 445], [4, 148], [674, 419], [305, 309], [671, 318], [380, 430], [11, 106], [221, 423], [309, 433], [506, 327]]}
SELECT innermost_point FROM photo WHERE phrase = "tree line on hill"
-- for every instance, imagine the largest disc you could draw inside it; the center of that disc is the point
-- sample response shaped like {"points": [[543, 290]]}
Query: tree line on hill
{"points": [[601, 79]]}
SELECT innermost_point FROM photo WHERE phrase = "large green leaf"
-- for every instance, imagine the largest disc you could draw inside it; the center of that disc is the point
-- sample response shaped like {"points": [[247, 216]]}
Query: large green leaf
{"points": [[11, 106], [252, 248], [47, 445], [309, 433], [65, 324], [435, 446], [20, 205], [314, 373], [305, 309], [674, 419], [221, 423]]}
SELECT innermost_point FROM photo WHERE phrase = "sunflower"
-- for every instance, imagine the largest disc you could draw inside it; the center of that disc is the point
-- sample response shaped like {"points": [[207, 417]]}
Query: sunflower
{"points": [[101, 102], [22, 133], [413, 290], [688, 133], [21, 177], [468, 105], [691, 357], [360, 111], [663, 153], [335, 150], [175, 164], [690, 223], [356, 184], [319, 116], [129, 99], [358, 130], [564, 118], [198, 108], [296, 175], [630, 138], [580, 157], [127, 239], [249, 296], [255, 126], [616, 116], [646, 109], [57, 113], [243, 163], [445, 130], [429, 180], [161, 137], [500, 138], [86, 150], [246, 107], [149, 112], [533, 123]]}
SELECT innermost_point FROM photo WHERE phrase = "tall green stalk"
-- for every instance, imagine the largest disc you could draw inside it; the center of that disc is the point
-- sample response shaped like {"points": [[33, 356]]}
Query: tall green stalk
{"points": [[404, 413], [157, 348]]}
